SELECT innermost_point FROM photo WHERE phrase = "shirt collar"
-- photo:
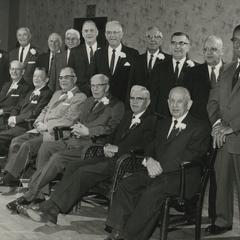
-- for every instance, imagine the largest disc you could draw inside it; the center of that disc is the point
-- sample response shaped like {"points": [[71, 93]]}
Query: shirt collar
{"points": [[154, 54], [94, 46], [139, 114], [26, 47], [180, 119], [180, 61], [118, 49], [217, 67]]}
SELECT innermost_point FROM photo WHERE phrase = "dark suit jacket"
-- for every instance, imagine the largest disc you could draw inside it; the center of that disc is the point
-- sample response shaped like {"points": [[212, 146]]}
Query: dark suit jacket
{"points": [[198, 82], [190, 143], [31, 107], [29, 62], [78, 60], [165, 80], [224, 104], [4, 68], [119, 79], [10, 100]]}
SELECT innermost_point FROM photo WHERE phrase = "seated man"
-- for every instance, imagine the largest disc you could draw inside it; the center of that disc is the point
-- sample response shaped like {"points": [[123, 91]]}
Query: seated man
{"points": [[62, 110], [98, 118], [13, 91], [29, 108], [134, 132], [137, 202]]}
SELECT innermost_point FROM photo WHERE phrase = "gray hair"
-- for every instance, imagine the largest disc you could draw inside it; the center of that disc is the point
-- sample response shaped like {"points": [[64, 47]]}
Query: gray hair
{"points": [[184, 90], [143, 90], [26, 29], [58, 37], [115, 23], [20, 64], [71, 70], [215, 38], [103, 78], [154, 28], [72, 31]]}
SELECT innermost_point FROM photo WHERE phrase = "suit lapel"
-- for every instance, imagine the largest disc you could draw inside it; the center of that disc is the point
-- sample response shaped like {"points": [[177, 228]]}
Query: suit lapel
{"points": [[231, 72]]}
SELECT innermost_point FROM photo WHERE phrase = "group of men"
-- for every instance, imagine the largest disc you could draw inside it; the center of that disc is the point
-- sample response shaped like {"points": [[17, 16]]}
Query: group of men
{"points": [[109, 95]]}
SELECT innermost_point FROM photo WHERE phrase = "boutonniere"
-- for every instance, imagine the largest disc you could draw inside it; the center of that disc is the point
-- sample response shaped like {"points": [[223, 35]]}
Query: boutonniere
{"points": [[98, 48], [69, 94], [136, 121], [105, 100], [161, 56], [181, 126], [36, 92], [1, 55], [122, 55], [15, 86], [33, 51], [190, 63], [34, 101]]}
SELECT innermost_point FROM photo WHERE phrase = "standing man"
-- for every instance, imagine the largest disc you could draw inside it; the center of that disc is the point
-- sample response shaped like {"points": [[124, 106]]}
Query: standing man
{"points": [[146, 63], [72, 40], [115, 61], [224, 114], [53, 60], [171, 72], [26, 53], [81, 56]]}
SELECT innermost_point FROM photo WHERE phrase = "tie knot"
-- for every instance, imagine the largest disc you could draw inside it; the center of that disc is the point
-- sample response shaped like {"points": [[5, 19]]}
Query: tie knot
{"points": [[151, 55], [114, 50], [175, 123], [177, 62], [213, 68]]}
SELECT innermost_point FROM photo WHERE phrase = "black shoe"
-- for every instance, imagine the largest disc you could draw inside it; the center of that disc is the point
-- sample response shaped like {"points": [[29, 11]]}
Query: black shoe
{"points": [[12, 206], [215, 230]]}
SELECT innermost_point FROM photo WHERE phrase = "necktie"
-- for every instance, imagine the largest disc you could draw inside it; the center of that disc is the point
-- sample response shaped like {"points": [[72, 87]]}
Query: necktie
{"points": [[112, 61], [95, 104], [91, 54], [21, 55], [52, 73], [176, 70], [235, 76], [174, 130], [150, 63], [213, 78]]}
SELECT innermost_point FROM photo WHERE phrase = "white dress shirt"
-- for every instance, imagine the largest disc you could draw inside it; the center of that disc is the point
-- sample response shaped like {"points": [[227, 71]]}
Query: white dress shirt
{"points": [[216, 70], [180, 65], [25, 52], [94, 48], [110, 51], [154, 58]]}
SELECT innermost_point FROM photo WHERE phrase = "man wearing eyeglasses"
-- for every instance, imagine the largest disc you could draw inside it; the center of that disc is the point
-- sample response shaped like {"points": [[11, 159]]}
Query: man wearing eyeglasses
{"points": [[115, 61], [62, 110], [98, 118], [224, 114], [81, 57], [146, 63], [171, 72], [133, 133]]}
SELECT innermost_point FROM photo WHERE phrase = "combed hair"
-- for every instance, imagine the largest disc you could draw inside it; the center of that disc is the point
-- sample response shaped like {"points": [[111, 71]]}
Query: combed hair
{"points": [[18, 62], [41, 69], [71, 69], [142, 89], [89, 21], [115, 22], [154, 28], [73, 31], [185, 90], [177, 34], [103, 77], [214, 37]]}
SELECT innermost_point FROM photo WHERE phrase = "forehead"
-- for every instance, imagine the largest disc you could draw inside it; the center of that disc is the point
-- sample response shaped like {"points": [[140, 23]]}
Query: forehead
{"points": [[113, 26], [181, 38], [71, 35], [39, 72], [15, 65], [212, 43], [177, 95], [152, 32], [53, 37], [97, 80], [22, 31], [88, 26], [137, 93], [66, 71]]}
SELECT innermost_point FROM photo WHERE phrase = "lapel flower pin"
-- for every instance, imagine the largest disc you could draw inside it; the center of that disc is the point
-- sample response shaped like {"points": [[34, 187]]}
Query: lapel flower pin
{"points": [[136, 121], [15, 86], [181, 126], [105, 100], [69, 94], [122, 55], [1, 55], [190, 63], [161, 56], [37, 92], [33, 51]]}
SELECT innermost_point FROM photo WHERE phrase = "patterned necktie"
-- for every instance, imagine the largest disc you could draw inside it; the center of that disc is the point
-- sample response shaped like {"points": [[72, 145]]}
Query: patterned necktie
{"points": [[176, 70], [235, 76], [112, 61], [21, 55], [213, 78], [174, 130], [150, 63]]}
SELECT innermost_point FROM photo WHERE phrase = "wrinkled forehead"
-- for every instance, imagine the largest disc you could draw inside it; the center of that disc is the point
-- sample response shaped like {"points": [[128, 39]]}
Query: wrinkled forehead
{"points": [[137, 93], [71, 35], [89, 26], [22, 31], [213, 43], [53, 37], [113, 26], [153, 32]]}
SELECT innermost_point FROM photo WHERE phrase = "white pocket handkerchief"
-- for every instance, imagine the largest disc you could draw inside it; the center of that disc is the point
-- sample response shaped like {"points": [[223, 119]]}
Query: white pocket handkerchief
{"points": [[14, 95], [31, 62], [127, 64]]}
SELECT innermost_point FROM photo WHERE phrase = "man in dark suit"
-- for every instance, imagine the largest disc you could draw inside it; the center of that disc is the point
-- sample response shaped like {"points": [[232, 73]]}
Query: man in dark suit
{"points": [[4, 68], [201, 78], [80, 57], [137, 202], [224, 114], [134, 132], [25, 53], [53, 60], [30, 107], [142, 70], [170, 73], [115, 61], [15, 90], [98, 119]]}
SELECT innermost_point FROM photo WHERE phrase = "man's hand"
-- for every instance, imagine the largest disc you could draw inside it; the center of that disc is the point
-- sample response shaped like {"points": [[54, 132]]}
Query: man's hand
{"points": [[12, 121], [154, 168], [110, 150], [41, 127], [79, 130]]}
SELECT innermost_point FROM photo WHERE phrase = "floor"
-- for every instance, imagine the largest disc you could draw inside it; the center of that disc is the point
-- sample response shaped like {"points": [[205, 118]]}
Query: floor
{"points": [[88, 224]]}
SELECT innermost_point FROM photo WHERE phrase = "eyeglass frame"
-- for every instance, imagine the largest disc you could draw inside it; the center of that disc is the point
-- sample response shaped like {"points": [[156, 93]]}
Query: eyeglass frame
{"points": [[66, 77], [181, 43]]}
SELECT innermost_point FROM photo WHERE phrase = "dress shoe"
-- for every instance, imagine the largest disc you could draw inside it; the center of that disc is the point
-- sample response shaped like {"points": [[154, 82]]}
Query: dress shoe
{"points": [[12, 206], [215, 230]]}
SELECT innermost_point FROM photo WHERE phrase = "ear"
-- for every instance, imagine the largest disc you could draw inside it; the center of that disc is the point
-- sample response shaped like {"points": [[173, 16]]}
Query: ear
{"points": [[190, 102]]}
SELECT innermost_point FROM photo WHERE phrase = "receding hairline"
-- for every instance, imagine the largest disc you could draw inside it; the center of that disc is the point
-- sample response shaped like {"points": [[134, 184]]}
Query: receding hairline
{"points": [[89, 22], [25, 29], [214, 38], [17, 62], [100, 76], [142, 89], [114, 22], [186, 93], [72, 32], [71, 70], [150, 28]]}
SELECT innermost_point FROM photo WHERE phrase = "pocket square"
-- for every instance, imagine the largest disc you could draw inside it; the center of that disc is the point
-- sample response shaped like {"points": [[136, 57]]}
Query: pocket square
{"points": [[31, 62], [34, 102], [126, 64], [66, 104], [14, 95]]}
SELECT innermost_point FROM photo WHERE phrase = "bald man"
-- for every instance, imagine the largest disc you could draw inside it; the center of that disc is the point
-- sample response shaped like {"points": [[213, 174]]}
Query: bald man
{"points": [[137, 202]]}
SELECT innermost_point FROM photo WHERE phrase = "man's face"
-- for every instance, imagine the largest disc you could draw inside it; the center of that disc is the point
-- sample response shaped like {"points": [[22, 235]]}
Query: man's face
{"points": [[153, 40], [98, 87], [39, 78], [54, 43], [212, 51], [179, 47], [72, 40], [138, 101], [67, 80], [89, 33], [23, 37], [178, 103], [113, 34], [16, 71], [236, 43]]}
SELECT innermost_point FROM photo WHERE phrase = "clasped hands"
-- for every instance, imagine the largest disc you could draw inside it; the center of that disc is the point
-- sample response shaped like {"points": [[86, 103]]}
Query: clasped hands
{"points": [[219, 132], [154, 168], [79, 130], [110, 150]]}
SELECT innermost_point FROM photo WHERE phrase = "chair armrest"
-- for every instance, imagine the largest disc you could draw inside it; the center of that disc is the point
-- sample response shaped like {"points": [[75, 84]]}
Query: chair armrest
{"points": [[95, 150], [58, 131]]}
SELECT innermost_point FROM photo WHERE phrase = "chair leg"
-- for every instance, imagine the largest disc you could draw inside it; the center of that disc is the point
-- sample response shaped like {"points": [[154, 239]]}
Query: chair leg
{"points": [[198, 219], [165, 221]]}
